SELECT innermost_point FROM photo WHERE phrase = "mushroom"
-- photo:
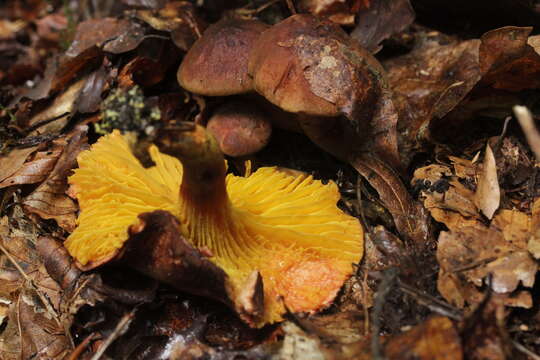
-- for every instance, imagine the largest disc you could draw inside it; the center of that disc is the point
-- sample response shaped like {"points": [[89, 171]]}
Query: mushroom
{"points": [[305, 64], [239, 128], [216, 65], [284, 229], [310, 66]]}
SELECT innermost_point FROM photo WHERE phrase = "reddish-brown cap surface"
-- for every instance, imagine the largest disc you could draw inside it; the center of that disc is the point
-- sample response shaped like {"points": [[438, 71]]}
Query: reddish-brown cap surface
{"points": [[240, 128], [308, 65], [216, 65]]}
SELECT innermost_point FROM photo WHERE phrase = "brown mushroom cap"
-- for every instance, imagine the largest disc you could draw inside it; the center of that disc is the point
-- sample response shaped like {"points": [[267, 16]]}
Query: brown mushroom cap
{"points": [[308, 65], [216, 65], [240, 128]]}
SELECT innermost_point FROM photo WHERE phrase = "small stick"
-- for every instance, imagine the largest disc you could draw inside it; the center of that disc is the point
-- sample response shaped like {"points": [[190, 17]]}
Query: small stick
{"points": [[524, 350], [81, 347], [118, 330]]}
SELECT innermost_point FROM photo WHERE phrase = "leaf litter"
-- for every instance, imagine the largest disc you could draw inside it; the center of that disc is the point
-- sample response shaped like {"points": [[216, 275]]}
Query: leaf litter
{"points": [[436, 157]]}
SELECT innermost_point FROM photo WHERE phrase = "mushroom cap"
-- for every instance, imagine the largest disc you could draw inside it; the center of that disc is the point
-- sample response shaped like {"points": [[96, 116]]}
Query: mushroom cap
{"points": [[216, 64], [240, 128], [309, 65], [286, 227]]}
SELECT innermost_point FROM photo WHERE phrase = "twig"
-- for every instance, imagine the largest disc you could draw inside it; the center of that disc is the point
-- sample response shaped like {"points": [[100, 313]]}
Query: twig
{"points": [[118, 330], [81, 347], [524, 350], [41, 296], [526, 121], [431, 302], [388, 280]]}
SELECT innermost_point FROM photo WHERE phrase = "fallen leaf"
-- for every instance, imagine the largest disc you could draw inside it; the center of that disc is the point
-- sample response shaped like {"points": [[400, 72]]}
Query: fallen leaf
{"points": [[49, 200], [12, 161], [435, 338], [36, 169], [114, 35], [484, 332], [488, 193], [410, 217], [533, 244], [381, 20]]}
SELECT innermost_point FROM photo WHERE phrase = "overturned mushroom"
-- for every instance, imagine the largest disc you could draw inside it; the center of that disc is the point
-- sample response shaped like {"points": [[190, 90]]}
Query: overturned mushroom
{"points": [[216, 65], [286, 228], [240, 128]]}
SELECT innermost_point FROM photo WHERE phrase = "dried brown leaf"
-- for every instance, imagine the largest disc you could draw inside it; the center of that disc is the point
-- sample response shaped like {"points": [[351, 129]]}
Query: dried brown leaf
{"points": [[12, 161], [470, 254], [509, 59], [484, 332], [435, 338], [381, 20], [410, 217], [179, 18], [488, 193], [37, 168], [49, 200], [534, 241], [114, 35]]}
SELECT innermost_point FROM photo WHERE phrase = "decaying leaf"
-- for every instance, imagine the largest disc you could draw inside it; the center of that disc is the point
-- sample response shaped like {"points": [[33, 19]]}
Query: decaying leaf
{"points": [[488, 194], [49, 200], [113, 35], [484, 332], [381, 20], [11, 162], [179, 18], [37, 168], [533, 244], [435, 338], [470, 254]]}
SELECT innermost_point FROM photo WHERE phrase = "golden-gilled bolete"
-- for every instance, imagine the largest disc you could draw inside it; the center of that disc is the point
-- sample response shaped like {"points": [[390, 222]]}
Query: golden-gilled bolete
{"points": [[216, 64], [283, 229], [240, 128], [308, 65]]}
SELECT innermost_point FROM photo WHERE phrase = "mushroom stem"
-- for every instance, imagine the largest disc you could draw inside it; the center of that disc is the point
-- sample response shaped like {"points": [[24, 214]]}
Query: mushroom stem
{"points": [[203, 179]]}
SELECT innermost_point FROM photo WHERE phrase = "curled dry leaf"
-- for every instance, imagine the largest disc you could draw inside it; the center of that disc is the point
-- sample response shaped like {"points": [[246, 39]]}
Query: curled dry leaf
{"points": [[409, 216], [488, 193], [49, 200], [157, 248], [435, 338]]}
